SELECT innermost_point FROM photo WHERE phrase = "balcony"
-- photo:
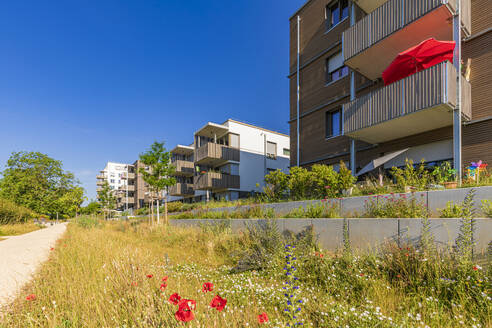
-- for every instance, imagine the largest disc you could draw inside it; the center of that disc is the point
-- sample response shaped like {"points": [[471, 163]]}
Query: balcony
{"points": [[421, 102], [215, 154], [128, 175], [183, 168], [216, 181], [182, 189], [374, 41], [100, 177], [122, 200], [100, 182], [124, 189]]}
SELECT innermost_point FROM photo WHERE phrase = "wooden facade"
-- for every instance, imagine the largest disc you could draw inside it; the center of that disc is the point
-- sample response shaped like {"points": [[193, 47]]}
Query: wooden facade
{"points": [[317, 97], [216, 181]]}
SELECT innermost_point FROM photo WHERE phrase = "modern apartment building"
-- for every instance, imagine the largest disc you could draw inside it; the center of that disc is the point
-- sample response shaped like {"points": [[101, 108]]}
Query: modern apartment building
{"points": [[227, 161], [127, 184], [341, 111]]}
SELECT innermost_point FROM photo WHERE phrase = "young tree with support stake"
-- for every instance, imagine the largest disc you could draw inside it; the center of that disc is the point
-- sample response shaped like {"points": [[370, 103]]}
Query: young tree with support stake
{"points": [[159, 177], [106, 198]]}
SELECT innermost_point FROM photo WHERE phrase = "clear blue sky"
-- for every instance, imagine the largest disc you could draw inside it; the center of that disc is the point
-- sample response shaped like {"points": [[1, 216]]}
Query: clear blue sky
{"points": [[79, 78]]}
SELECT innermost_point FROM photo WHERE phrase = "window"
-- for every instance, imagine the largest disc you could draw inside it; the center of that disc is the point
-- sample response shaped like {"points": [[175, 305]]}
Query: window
{"points": [[335, 69], [112, 180], [335, 12], [271, 150], [334, 123], [286, 152]]}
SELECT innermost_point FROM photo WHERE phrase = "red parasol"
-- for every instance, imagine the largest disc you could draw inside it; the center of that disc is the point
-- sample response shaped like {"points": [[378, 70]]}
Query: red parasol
{"points": [[424, 55]]}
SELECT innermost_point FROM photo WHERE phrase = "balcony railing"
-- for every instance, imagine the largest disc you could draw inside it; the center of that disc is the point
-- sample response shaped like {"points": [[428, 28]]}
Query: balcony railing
{"points": [[128, 175], [216, 181], [124, 188], [421, 102], [185, 168], [372, 43], [100, 182], [182, 189], [100, 176], [212, 153]]}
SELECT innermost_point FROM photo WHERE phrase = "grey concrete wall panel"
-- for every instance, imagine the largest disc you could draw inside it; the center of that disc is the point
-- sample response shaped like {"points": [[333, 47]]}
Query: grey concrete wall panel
{"points": [[372, 233]]}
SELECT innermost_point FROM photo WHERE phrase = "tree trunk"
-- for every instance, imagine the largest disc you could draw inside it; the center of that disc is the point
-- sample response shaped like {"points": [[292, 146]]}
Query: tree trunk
{"points": [[158, 216], [165, 211], [152, 210]]}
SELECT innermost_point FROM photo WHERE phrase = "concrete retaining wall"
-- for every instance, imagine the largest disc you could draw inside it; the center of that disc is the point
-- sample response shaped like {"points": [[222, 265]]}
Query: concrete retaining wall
{"points": [[354, 206], [363, 233]]}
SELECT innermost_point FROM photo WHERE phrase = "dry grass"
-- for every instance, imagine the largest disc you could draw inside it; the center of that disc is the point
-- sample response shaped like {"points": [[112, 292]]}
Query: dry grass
{"points": [[97, 277], [18, 228]]}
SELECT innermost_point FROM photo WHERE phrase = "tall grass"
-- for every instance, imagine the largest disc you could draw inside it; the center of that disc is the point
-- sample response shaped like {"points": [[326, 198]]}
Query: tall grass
{"points": [[97, 277], [13, 213]]}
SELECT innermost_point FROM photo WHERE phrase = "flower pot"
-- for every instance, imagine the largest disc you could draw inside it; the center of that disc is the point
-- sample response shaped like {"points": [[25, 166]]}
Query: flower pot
{"points": [[451, 185], [410, 189]]}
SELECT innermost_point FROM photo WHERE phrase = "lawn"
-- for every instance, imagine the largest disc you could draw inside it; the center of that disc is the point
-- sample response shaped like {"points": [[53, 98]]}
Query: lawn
{"points": [[112, 274]]}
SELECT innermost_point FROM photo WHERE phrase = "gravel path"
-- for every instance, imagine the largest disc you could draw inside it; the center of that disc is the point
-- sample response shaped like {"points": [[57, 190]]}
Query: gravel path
{"points": [[20, 257]]}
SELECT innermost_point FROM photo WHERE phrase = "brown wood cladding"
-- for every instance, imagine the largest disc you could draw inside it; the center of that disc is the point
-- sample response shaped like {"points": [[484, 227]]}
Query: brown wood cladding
{"points": [[477, 143], [314, 38], [481, 15], [480, 51]]}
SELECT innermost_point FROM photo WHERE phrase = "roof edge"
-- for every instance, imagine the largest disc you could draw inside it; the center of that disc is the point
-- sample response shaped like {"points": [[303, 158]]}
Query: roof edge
{"points": [[299, 10]]}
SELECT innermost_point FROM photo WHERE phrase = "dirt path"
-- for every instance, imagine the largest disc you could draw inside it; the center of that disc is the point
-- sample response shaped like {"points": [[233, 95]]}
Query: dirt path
{"points": [[20, 257]]}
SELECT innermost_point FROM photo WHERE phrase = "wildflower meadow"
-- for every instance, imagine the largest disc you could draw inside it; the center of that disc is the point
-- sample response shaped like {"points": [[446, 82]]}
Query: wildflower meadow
{"points": [[130, 274]]}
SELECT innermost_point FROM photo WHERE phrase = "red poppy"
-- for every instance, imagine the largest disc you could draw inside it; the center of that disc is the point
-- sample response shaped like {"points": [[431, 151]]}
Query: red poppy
{"points": [[31, 297], [398, 276], [163, 286], [475, 268], [185, 308], [218, 302], [362, 275], [207, 287], [164, 278], [174, 299], [262, 318], [51, 248], [150, 276], [134, 283], [406, 254]]}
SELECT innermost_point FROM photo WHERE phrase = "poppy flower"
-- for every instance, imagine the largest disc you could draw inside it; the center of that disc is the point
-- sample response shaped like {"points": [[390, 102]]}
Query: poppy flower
{"points": [[185, 308], [476, 267], [398, 276], [362, 275], [262, 318], [207, 287], [31, 297], [134, 283], [150, 276], [163, 286], [164, 278], [174, 299], [51, 248], [218, 302]]}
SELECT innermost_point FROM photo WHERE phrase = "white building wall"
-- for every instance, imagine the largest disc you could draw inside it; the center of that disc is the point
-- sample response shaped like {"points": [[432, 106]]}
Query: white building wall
{"points": [[114, 172], [252, 158], [435, 151]]}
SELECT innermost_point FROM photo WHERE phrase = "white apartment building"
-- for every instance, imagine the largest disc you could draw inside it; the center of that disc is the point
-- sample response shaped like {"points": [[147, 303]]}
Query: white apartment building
{"points": [[228, 161], [114, 174]]}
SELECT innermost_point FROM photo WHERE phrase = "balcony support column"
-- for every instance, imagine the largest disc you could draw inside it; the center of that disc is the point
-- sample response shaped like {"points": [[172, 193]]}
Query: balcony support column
{"points": [[457, 126], [352, 156]]}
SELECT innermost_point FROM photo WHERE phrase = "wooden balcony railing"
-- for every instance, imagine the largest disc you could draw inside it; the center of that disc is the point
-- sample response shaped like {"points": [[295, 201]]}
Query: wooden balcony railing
{"points": [[216, 181], [184, 167], [392, 16], [212, 152], [431, 92], [124, 188], [182, 189]]}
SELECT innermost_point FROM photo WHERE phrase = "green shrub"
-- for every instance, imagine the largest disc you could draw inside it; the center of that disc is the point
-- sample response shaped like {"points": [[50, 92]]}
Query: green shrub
{"points": [[88, 222], [277, 185], [324, 180], [13, 213], [345, 179], [487, 207], [300, 183], [395, 207], [410, 176], [452, 210]]}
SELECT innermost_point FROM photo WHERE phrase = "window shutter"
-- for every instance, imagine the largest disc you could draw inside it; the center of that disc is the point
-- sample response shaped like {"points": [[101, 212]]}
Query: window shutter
{"points": [[329, 131], [271, 148]]}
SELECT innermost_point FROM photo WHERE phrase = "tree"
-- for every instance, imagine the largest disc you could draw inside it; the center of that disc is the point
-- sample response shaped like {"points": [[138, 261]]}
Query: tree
{"points": [[38, 182], [93, 207], [159, 176], [106, 198]]}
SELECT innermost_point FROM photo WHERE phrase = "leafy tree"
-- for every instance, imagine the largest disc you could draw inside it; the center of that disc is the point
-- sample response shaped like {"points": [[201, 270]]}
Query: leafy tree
{"points": [[159, 176], [93, 207], [106, 198], [38, 182]]}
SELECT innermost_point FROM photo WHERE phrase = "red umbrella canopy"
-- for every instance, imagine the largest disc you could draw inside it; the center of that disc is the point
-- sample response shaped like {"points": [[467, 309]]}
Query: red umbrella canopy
{"points": [[424, 55]]}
